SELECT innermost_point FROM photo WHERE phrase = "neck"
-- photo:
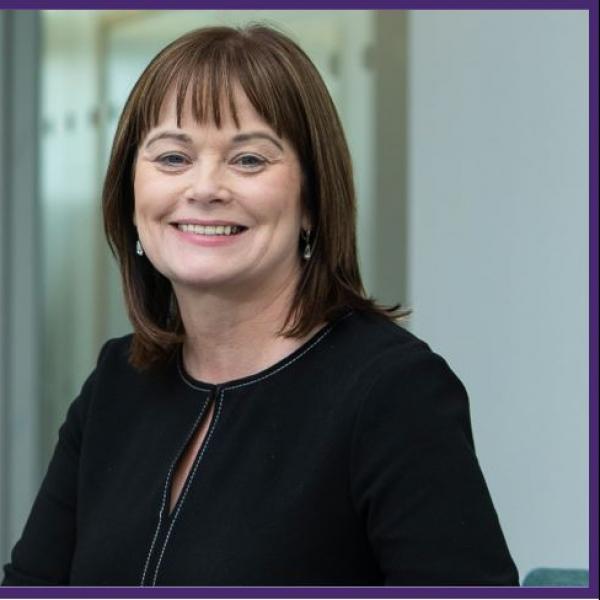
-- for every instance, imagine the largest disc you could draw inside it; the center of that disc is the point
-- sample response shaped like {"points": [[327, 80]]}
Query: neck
{"points": [[229, 337]]}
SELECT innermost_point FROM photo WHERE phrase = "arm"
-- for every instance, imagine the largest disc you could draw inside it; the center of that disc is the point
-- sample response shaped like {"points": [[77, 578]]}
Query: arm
{"points": [[417, 483], [43, 554]]}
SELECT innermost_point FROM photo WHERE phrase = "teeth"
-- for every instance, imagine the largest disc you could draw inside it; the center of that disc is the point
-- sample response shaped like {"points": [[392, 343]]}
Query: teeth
{"points": [[209, 229]]}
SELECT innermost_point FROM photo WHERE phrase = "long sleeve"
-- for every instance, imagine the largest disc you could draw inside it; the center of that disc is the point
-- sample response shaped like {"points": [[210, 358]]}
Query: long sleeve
{"points": [[44, 552], [417, 483]]}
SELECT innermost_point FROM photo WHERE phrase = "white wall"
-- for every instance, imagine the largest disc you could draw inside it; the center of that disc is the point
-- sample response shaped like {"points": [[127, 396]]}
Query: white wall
{"points": [[498, 253]]}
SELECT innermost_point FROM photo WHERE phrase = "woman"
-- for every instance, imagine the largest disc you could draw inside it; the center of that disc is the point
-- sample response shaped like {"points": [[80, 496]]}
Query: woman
{"points": [[266, 424]]}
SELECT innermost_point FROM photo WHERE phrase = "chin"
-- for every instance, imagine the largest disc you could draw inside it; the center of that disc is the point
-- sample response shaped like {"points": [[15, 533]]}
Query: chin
{"points": [[206, 280]]}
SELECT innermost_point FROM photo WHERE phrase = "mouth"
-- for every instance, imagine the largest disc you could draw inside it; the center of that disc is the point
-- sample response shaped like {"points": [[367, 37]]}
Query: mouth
{"points": [[210, 230]]}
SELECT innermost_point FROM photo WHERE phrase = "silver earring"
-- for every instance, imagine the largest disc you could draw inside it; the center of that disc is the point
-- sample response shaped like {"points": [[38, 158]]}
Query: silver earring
{"points": [[138, 248], [307, 249]]}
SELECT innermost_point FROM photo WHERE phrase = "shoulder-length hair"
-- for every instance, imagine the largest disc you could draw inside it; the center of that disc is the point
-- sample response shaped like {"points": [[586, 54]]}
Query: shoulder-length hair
{"points": [[287, 91]]}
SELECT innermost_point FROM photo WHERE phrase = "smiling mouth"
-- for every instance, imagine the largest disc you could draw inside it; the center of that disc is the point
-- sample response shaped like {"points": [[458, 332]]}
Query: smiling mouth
{"points": [[211, 230]]}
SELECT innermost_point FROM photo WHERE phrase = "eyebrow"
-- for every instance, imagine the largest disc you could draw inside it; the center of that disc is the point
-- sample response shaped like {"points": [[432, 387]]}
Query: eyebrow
{"points": [[180, 137], [237, 139], [244, 137]]}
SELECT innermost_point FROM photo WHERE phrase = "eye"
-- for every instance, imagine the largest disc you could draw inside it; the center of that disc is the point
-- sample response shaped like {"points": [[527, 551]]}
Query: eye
{"points": [[250, 162], [172, 160]]}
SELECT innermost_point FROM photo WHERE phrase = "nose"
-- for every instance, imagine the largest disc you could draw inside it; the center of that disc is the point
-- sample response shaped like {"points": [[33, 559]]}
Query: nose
{"points": [[208, 184]]}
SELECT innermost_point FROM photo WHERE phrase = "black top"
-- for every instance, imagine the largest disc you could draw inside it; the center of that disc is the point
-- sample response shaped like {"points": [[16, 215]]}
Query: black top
{"points": [[350, 462]]}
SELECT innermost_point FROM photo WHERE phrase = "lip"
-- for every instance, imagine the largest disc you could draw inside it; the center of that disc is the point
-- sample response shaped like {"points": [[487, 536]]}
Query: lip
{"points": [[207, 241], [206, 223]]}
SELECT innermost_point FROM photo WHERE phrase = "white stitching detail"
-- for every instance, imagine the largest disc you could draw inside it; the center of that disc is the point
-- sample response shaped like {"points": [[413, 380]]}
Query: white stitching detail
{"points": [[283, 366], [164, 496], [183, 376], [199, 457], [188, 485]]}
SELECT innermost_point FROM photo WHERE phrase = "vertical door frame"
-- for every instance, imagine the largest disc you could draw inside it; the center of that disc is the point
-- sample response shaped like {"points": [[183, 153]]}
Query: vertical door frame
{"points": [[390, 58], [20, 273]]}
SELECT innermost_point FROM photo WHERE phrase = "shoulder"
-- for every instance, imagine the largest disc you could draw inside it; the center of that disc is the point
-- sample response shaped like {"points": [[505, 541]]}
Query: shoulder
{"points": [[113, 376], [404, 386], [115, 352], [370, 333], [112, 360], [116, 395], [117, 379], [385, 354]]}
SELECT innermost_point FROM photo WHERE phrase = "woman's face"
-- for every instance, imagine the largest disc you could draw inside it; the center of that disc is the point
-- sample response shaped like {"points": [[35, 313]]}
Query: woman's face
{"points": [[219, 207]]}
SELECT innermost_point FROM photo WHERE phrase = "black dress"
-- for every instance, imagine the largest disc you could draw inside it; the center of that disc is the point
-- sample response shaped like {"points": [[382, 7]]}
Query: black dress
{"points": [[350, 462]]}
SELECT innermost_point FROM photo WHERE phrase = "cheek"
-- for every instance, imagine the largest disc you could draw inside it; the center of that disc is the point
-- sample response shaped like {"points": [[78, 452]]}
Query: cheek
{"points": [[140, 189], [281, 214], [152, 195], [277, 199]]}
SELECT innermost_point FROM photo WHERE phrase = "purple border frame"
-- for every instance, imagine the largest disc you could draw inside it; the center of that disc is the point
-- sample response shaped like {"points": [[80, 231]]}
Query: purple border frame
{"points": [[390, 592], [299, 592], [591, 5]]}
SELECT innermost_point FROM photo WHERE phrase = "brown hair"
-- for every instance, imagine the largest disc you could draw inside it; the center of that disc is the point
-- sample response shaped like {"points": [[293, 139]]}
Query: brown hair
{"points": [[288, 93]]}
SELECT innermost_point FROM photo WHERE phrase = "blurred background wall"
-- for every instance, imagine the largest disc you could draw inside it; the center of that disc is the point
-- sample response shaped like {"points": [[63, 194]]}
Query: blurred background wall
{"points": [[469, 135]]}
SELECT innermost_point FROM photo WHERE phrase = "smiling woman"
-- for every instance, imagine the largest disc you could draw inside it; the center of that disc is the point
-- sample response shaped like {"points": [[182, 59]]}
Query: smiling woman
{"points": [[245, 124], [267, 423]]}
